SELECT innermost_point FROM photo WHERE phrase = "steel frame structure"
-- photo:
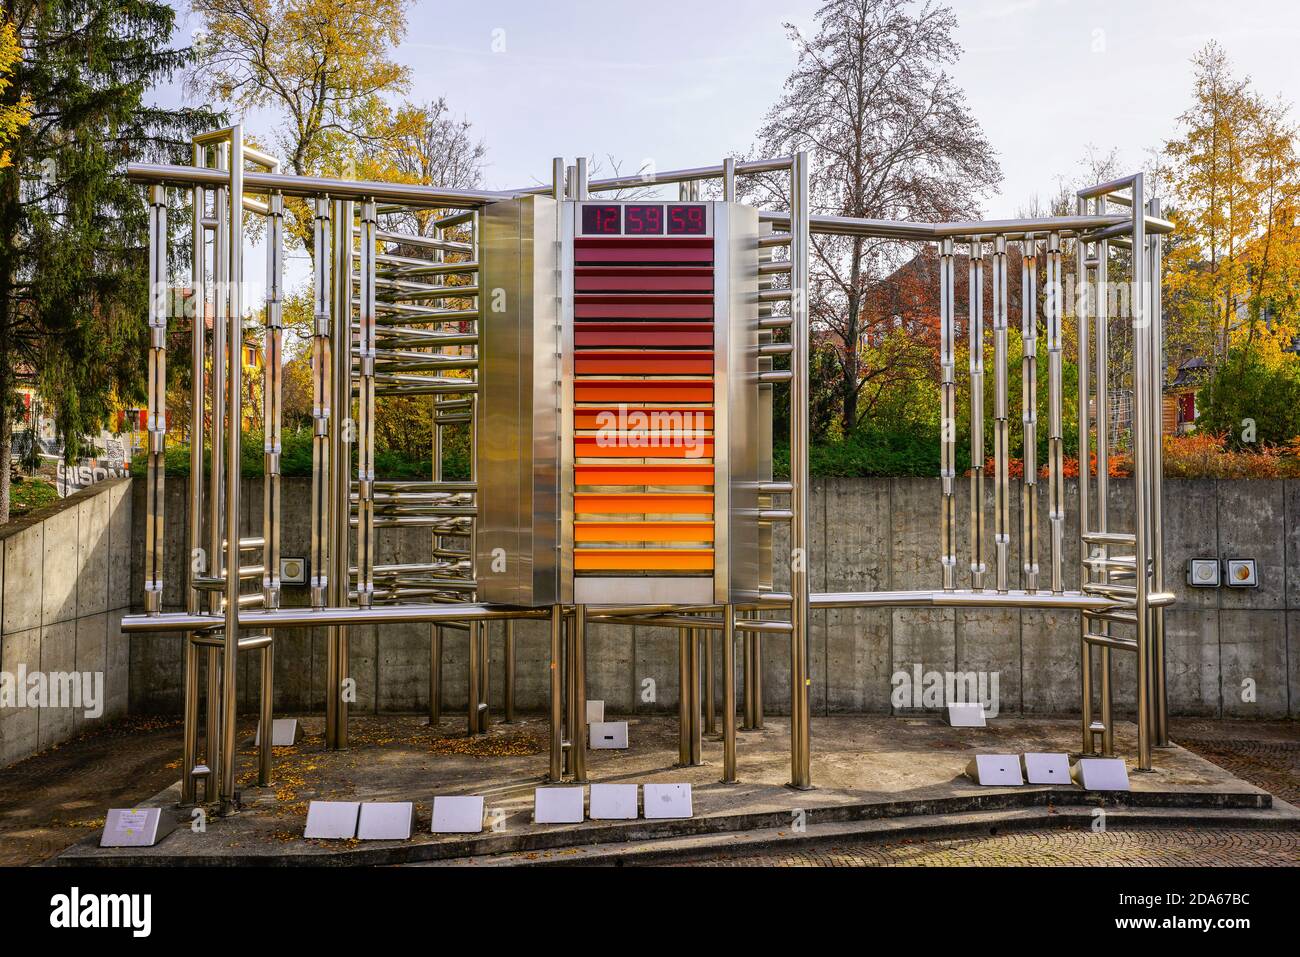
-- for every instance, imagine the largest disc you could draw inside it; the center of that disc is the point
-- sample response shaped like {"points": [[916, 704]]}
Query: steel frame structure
{"points": [[398, 311]]}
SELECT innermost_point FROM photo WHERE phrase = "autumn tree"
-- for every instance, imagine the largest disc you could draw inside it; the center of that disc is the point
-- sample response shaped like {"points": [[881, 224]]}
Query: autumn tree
{"points": [[73, 231], [890, 137], [1236, 178]]}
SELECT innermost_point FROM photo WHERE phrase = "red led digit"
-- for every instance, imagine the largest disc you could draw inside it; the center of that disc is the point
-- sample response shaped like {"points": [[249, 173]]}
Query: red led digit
{"points": [[644, 220], [601, 220], [687, 221]]}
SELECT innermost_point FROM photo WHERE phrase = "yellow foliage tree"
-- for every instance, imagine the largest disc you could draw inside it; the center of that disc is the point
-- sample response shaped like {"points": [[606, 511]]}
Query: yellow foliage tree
{"points": [[12, 116]]}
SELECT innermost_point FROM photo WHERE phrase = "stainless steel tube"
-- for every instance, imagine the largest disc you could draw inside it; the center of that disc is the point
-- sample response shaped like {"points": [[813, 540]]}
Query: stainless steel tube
{"points": [[729, 695], [800, 396], [556, 772]]}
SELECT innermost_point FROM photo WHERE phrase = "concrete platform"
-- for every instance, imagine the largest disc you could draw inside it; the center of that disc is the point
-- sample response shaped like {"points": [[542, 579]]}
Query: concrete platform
{"points": [[908, 772]]}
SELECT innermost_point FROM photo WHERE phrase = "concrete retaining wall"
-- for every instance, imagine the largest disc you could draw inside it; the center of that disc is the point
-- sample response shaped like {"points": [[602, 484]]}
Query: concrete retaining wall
{"points": [[867, 534], [65, 582]]}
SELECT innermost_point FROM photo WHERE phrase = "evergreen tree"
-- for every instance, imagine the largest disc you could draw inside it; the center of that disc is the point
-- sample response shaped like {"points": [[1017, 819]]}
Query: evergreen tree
{"points": [[73, 231]]}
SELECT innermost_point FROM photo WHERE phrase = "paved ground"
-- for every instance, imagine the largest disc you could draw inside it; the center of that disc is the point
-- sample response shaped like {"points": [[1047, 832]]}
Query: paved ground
{"points": [[57, 798], [1131, 847]]}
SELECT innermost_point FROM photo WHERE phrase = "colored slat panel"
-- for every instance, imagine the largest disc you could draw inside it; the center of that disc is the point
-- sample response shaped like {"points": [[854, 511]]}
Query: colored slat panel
{"points": [[650, 418], [643, 363], [638, 253], [642, 390], [644, 446], [649, 279], [646, 308], [653, 475], [642, 503], [654, 335], [643, 559], [643, 531]]}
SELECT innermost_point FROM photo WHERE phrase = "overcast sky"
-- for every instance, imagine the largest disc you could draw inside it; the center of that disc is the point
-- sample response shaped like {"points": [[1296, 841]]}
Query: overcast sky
{"points": [[685, 82]]}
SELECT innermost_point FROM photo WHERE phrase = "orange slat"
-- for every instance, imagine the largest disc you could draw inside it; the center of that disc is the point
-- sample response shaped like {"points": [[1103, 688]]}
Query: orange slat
{"points": [[642, 503], [649, 417], [643, 363], [643, 559], [642, 390], [653, 445], [674, 474], [643, 531]]}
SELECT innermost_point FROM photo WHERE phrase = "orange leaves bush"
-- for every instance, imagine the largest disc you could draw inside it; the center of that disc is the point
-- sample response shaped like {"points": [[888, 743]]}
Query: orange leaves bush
{"points": [[1189, 456]]}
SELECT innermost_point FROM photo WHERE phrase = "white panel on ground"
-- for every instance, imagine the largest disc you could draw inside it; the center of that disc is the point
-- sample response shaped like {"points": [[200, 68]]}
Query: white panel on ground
{"points": [[457, 814], [595, 711], [386, 821], [1046, 768], [608, 734], [613, 802], [667, 800], [995, 769], [963, 714], [1101, 774], [557, 805], [136, 827], [333, 820], [284, 732]]}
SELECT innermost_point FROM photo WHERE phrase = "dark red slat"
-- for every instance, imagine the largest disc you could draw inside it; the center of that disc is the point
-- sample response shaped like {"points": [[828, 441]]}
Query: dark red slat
{"points": [[633, 282], [644, 254], [650, 334], [642, 310]]}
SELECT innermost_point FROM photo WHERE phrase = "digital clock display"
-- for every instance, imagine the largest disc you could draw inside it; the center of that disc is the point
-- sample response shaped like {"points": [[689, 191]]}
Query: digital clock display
{"points": [[686, 221], [644, 219], [602, 220]]}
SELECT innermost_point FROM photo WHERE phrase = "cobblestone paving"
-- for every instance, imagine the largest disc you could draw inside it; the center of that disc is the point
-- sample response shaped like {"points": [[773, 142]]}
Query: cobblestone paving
{"points": [[1146, 847]]}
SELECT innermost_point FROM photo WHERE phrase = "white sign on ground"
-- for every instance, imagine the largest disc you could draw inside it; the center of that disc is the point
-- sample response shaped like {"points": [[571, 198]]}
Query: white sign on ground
{"points": [[995, 769], [136, 827], [386, 821], [1046, 768], [457, 814], [595, 711], [613, 802], [667, 800], [966, 714], [609, 735], [1101, 774], [284, 732], [332, 820], [557, 805]]}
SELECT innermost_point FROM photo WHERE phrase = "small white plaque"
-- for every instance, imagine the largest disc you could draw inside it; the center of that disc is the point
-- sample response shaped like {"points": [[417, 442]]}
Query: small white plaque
{"points": [[595, 711], [608, 734], [284, 732], [995, 769], [1101, 774], [1046, 767], [332, 820], [135, 827], [667, 800], [457, 814], [386, 821], [557, 805], [613, 802], [966, 714]]}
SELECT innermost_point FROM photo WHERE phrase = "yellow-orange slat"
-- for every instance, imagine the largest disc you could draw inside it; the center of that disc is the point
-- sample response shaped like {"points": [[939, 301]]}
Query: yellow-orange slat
{"points": [[648, 503], [643, 531], [643, 559]]}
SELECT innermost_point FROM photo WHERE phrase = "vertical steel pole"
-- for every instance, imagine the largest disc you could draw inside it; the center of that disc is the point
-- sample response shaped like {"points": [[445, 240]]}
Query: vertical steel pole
{"points": [[556, 772], [578, 737], [1053, 306], [683, 697], [1142, 476], [975, 336], [948, 414], [1156, 313], [508, 685], [157, 414], [216, 463], [198, 329], [340, 484], [693, 657], [710, 712], [729, 694], [1029, 411], [267, 716], [474, 686], [729, 180], [747, 667], [1001, 424], [1086, 570], [234, 427], [366, 410], [800, 395]]}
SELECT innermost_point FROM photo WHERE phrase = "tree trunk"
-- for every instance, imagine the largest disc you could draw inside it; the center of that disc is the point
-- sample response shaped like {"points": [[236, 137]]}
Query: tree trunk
{"points": [[6, 456]]}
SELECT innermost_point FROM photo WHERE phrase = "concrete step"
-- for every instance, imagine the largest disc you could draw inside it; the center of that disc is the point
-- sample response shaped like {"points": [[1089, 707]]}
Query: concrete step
{"points": [[1281, 816]]}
